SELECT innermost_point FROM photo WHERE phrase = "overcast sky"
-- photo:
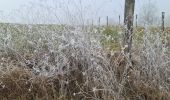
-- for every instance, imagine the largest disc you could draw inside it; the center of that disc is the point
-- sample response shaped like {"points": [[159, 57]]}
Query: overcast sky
{"points": [[92, 9]]}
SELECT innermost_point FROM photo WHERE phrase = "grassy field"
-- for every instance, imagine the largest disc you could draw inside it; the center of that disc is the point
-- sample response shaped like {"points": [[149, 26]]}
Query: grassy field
{"points": [[59, 62]]}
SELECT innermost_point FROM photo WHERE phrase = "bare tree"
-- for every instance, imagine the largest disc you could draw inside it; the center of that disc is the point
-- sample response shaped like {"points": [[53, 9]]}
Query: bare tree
{"points": [[148, 14], [128, 21], [168, 21]]}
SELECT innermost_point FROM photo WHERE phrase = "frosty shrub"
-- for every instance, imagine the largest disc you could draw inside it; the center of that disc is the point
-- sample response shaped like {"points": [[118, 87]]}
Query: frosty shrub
{"points": [[63, 62]]}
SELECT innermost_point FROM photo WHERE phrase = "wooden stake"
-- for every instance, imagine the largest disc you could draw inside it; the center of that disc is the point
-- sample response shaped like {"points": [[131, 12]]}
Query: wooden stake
{"points": [[136, 20], [128, 21], [119, 20], [163, 21], [107, 21], [99, 22]]}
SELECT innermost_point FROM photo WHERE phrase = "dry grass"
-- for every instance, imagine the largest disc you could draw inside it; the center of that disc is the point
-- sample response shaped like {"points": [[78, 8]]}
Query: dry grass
{"points": [[23, 84]]}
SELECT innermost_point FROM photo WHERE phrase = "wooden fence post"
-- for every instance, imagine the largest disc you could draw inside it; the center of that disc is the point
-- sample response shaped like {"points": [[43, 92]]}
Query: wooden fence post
{"points": [[128, 21], [99, 22], [136, 20], [163, 21], [92, 25], [107, 19], [119, 20], [99, 25]]}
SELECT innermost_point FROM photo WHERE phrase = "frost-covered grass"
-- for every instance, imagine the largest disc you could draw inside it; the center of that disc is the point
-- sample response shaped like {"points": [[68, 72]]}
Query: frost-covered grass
{"points": [[54, 62]]}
